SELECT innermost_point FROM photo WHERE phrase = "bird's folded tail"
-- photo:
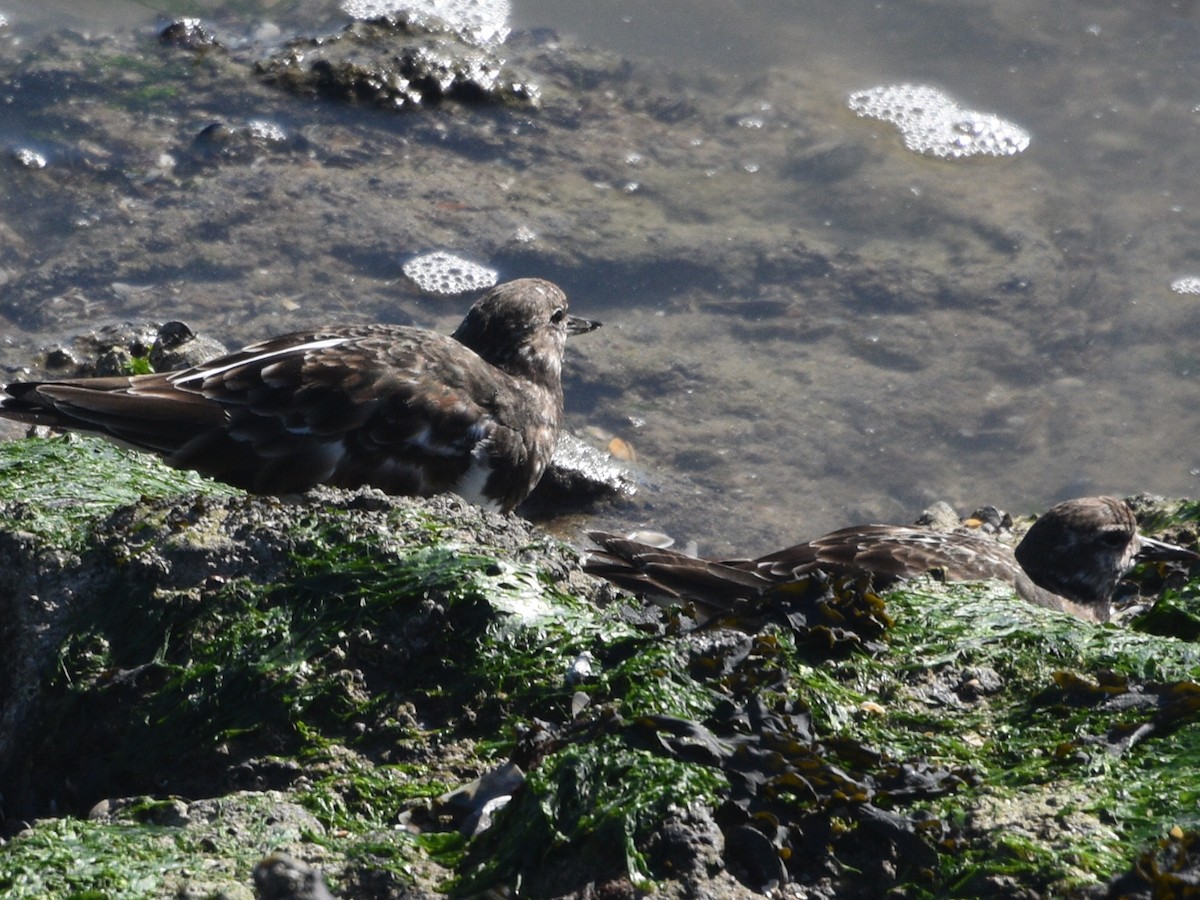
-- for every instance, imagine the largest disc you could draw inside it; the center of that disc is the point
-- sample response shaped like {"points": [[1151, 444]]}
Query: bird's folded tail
{"points": [[672, 576], [144, 411]]}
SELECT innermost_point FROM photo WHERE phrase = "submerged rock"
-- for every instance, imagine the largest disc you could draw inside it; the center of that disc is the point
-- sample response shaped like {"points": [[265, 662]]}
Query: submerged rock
{"points": [[190, 34]]}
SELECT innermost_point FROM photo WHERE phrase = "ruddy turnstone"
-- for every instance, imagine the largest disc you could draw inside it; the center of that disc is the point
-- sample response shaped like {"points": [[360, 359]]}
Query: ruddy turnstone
{"points": [[1071, 559], [402, 409]]}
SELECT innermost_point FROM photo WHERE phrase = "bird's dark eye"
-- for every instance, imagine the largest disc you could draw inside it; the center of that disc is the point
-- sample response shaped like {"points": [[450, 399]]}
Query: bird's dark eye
{"points": [[1114, 539], [558, 315]]}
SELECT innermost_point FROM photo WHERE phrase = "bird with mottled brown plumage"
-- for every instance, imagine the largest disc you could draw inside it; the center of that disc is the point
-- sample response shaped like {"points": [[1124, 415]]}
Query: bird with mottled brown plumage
{"points": [[1071, 559], [405, 410]]}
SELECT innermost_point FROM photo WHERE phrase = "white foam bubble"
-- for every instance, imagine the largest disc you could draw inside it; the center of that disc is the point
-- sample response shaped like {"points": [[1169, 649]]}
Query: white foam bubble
{"points": [[1189, 284], [441, 272], [931, 122]]}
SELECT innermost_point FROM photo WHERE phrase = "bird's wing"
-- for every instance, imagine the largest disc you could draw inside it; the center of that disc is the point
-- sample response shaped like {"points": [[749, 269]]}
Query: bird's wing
{"points": [[891, 553], [888, 552], [399, 408]]}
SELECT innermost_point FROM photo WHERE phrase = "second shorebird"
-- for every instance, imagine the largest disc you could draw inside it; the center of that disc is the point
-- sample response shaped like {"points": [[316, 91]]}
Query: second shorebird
{"points": [[1071, 559], [402, 409]]}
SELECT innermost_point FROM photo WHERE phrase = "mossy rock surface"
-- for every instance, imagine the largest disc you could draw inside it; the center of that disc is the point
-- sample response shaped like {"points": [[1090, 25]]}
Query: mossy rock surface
{"points": [[194, 679]]}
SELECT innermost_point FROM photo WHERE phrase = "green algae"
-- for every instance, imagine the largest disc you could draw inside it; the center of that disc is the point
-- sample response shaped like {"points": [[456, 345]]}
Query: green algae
{"points": [[134, 856], [371, 658], [300, 661], [600, 802], [139, 365], [59, 489], [330, 657], [69, 858], [1057, 806]]}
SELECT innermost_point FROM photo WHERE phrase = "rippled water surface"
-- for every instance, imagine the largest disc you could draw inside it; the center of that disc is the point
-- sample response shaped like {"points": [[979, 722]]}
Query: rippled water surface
{"points": [[888, 329]]}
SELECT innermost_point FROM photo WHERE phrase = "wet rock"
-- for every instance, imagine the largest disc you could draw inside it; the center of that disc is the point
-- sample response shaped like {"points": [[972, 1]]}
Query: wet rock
{"points": [[689, 843], [941, 516], [956, 688], [221, 143], [350, 654], [397, 63], [179, 557], [107, 350], [990, 520], [127, 348], [979, 681], [1170, 869], [718, 653], [279, 877], [578, 475], [754, 858], [190, 34], [177, 347]]}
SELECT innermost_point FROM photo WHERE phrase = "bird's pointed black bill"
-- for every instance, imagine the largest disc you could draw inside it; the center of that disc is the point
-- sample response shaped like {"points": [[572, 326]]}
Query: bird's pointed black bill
{"points": [[1152, 550], [576, 325]]}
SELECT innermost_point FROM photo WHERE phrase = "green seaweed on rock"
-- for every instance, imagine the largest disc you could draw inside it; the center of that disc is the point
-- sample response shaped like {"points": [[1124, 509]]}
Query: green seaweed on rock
{"points": [[60, 489], [360, 658]]}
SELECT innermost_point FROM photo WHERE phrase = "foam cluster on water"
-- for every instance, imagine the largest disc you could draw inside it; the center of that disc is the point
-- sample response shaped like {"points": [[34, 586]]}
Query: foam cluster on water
{"points": [[441, 272], [1187, 285], [484, 21], [931, 122]]}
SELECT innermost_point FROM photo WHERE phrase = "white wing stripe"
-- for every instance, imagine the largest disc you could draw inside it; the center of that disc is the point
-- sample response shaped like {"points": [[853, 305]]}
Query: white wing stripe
{"points": [[202, 373]]}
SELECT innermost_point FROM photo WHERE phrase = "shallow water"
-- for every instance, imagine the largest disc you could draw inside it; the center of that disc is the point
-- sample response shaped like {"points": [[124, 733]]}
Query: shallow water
{"points": [[982, 331]]}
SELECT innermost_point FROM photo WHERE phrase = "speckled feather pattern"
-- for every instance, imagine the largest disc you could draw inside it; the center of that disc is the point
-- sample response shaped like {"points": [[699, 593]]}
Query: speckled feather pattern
{"points": [[402, 409], [1071, 559]]}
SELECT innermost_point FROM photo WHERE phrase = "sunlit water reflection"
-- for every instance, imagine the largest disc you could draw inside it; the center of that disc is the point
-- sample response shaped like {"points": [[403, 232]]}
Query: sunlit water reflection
{"points": [[1041, 352]]}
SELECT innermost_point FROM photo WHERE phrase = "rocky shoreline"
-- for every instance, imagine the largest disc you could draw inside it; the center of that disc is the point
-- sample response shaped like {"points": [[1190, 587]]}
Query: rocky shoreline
{"points": [[205, 694], [209, 694]]}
